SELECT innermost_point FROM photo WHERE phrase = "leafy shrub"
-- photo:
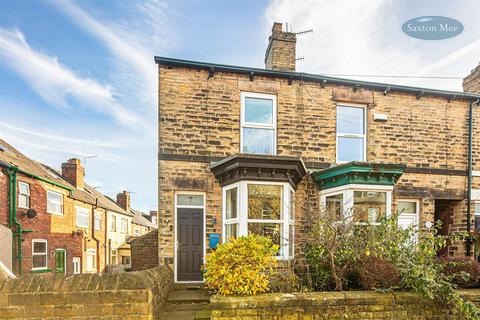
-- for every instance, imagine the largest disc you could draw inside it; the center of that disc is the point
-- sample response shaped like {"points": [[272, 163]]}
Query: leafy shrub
{"points": [[240, 266], [285, 282], [464, 272], [318, 276], [376, 273]]}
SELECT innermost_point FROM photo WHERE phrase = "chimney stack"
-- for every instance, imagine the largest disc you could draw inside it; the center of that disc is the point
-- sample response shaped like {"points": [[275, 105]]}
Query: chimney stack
{"points": [[471, 83], [280, 53], [73, 171], [123, 200]]}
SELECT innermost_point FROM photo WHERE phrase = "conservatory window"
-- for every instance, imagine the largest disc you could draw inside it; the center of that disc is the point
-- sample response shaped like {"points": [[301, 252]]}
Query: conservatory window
{"points": [[260, 208]]}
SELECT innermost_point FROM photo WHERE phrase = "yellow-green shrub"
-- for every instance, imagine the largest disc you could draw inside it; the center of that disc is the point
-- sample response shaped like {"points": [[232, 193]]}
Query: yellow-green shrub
{"points": [[240, 266]]}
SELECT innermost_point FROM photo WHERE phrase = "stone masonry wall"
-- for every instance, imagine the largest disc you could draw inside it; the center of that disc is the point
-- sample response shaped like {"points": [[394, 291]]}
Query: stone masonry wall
{"points": [[145, 251], [334, 305], [134, 295]]}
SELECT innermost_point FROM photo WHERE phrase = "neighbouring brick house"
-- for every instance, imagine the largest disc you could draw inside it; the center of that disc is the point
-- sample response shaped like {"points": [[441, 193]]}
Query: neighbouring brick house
{"points": [[246, 150], [61, 222]]}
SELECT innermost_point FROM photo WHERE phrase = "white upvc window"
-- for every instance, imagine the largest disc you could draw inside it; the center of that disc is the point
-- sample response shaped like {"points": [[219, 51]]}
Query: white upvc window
{"points": [[82, 217], [477, 216], [23, 195], [113, 223], [370, 203], [258, 119], [54, 202], [98, 220], [77, 265], [39, 254], [91, 260], [351, 133], [263, 208], [123, 225]]}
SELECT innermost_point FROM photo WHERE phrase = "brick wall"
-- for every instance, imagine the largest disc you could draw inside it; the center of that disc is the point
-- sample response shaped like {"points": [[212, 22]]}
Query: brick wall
{"points": [[135, 295], [199, 122], [334, 305], [471, 83], [145, 251]]}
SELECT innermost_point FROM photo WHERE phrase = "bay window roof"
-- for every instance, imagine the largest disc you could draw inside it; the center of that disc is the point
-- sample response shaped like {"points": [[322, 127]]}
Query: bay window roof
{"points": [[358, 173], [259, 168]]}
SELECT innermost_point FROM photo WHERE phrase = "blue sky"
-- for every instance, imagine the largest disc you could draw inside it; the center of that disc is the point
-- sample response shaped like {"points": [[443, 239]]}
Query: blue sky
{"points": [[77, 78]]}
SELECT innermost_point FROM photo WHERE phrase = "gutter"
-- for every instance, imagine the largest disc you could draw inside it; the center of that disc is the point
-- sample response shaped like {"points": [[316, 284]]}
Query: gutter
{"points": [[470, 174], [93, 233], [384, 87]]}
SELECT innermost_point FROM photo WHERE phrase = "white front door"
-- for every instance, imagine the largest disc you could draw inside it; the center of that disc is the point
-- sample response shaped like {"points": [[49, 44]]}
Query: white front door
{"points": [[406, 220]]}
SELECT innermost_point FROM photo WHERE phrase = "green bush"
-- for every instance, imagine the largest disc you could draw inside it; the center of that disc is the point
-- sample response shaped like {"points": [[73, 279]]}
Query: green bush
{"points": [[285, 282], [465, 272], [241, 266]]}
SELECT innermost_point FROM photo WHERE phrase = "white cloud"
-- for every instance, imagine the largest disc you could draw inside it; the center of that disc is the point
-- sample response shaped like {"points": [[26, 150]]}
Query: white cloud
{"points": [[365, 38], [56, 83]]}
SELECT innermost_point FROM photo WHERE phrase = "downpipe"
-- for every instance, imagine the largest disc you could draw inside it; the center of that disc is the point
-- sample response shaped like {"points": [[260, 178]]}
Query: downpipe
{"points": [[470, 175]]}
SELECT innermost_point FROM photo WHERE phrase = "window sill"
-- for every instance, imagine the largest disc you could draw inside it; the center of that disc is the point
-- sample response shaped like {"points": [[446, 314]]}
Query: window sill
{"points": [[41, 270], [83, 227], [55, 213]]}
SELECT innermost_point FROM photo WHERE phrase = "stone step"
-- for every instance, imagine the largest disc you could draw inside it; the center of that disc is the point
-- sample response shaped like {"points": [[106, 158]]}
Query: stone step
{"points": [[186, 315], [186, 306], [203, 315], [188, 296], [188, 286]]}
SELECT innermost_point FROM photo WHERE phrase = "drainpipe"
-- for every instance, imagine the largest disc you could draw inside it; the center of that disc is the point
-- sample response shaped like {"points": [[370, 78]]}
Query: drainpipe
{"points": [[470, 174], [93, 234], [17, 233]]}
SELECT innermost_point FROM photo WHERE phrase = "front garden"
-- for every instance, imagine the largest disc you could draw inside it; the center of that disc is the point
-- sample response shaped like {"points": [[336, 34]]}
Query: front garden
{"points": [[342, 255]]}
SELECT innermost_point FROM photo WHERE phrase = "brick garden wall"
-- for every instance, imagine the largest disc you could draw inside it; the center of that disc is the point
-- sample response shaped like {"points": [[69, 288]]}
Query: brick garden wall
{"points": [[145, 251], [133, 295], [333, 305]]}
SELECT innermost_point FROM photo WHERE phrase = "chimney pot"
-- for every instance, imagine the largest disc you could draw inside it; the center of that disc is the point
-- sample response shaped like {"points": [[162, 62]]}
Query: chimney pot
{"points": [[281, 53]]}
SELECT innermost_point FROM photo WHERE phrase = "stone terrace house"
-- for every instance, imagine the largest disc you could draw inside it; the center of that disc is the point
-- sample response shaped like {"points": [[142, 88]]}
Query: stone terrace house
{"points": [[246, 150], [52, 222]]}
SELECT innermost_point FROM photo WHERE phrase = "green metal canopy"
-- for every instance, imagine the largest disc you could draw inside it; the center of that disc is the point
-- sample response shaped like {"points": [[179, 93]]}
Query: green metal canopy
{"points": [[358, 173]]}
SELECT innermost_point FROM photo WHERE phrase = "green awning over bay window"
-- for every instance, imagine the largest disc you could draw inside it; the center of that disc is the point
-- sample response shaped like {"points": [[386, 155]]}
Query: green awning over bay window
{"points": [[358, 173]]}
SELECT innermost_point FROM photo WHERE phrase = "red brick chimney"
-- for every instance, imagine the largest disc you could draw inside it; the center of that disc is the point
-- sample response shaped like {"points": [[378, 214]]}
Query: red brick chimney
{"points": [[471, 83], [280, 53], [123, 200], [73, 171]]}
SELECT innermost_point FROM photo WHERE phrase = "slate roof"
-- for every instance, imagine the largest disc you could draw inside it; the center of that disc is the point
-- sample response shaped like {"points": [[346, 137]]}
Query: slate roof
{"points": [[10, 155], [138, 218]]}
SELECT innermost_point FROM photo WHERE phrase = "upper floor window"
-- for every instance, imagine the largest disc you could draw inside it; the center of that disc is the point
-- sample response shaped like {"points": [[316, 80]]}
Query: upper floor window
{"points": [[23, 195], [54, 202], [351, 133], [113, 224], [98, 221], [82, 217], [258, 123], [124, 226]]}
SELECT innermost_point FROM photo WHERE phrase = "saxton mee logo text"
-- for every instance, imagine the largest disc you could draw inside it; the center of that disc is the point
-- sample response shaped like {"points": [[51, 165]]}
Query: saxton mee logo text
{"points": [[432, 28]]}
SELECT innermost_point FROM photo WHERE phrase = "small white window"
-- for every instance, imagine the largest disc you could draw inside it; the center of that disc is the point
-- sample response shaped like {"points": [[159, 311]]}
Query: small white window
{"points": [[351, 133], [136, 231], [124, 225], [23, 195], [98, 221], [113, 223], [114, 257], [91, 260], [258, 123], [39, 254], [54, 202], [82, 217], [77, 265]]}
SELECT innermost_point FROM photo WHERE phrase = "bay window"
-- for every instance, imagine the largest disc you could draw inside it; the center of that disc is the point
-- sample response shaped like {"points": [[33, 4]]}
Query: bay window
{"points": [[262, 208], [363, 203], [258, 123], [351, 133]]}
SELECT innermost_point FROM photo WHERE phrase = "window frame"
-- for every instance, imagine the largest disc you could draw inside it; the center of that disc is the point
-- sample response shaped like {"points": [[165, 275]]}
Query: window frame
{"points": [[255, 125], [348, 197], [61, 203], [113, 221], [77, 265], [242, 219], [40, 254], [27, 195], [97, 218], [122, 220], [85, 211], [91, 253], [352, 135]]}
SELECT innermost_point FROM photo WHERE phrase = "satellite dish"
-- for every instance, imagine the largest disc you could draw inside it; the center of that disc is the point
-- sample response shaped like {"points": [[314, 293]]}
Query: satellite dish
{"points": [[31, 213]]}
